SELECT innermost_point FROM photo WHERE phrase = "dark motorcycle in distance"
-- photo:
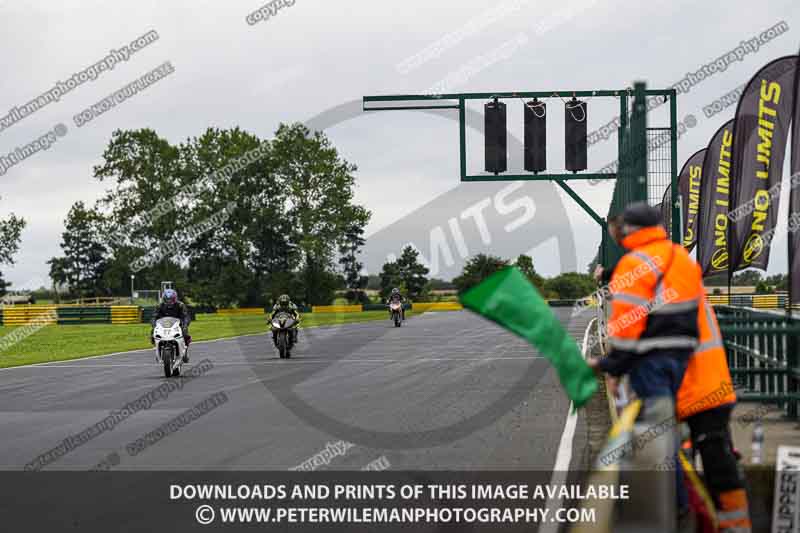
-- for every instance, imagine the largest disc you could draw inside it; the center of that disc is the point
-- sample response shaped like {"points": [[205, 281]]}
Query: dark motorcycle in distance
{"points": [[284, 324], [396, 309]]}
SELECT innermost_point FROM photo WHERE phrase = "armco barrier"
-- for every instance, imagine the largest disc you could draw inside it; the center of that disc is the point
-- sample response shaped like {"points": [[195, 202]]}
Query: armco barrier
{"points": [[19, 315], [125, 314], [84, 315]]}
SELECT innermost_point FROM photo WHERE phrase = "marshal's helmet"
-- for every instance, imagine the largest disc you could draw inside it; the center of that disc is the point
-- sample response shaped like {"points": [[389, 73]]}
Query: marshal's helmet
{"points": [[170, 297]]}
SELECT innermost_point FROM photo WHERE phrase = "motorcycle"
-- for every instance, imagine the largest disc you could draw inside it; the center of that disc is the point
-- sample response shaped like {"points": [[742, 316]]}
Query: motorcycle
{"points": [[396, 308], [283, 326], [171, 348]]}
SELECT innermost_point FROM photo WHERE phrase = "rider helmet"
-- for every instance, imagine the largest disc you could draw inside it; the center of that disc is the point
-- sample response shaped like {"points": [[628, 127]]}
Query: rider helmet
{"points": [[283, 300], [395, 291], [170, 297]]}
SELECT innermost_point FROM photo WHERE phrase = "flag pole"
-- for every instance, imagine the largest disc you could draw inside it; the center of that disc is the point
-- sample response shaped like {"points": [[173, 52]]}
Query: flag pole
{"points": [[795, 146]]}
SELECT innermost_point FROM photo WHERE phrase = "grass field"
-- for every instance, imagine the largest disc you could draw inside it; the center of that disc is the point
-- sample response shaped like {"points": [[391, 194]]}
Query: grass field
{"points": [[61, 343]]}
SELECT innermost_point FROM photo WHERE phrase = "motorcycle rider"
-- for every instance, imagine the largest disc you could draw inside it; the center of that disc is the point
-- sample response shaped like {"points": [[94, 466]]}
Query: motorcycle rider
{"points": [[285, 305], [171, 307], [396, 297]]}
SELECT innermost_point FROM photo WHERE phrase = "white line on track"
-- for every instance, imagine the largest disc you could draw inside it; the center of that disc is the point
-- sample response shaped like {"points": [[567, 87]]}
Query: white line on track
{"points": [[308, 362], [320, 330], [140, 350], [564, 455]]}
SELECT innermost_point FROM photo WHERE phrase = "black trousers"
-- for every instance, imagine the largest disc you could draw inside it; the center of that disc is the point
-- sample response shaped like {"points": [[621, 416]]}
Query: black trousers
{"points": [[712, 438]]}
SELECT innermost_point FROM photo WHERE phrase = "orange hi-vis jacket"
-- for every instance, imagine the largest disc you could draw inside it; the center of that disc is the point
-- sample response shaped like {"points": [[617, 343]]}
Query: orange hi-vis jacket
{"points": [[707, 383], [655, 289]]}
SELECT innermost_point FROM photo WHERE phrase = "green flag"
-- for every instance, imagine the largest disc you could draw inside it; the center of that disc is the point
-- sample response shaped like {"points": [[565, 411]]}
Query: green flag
{"points": [[508, 298]]}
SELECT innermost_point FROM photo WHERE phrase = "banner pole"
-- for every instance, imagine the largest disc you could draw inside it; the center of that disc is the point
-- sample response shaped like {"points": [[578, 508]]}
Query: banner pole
{"points": [[794, 157]]}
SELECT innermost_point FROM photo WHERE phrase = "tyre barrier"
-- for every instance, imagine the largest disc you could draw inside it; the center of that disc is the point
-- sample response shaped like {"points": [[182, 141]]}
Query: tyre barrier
{"points": [[126, 314], [20, 315], [756, 301], [424, 307], [336, 309], [241, 311]]}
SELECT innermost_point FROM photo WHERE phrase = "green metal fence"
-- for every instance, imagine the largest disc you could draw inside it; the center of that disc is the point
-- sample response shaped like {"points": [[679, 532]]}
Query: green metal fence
{"points": [[646, 165], [659, 164], [763, 355], [631, 183]]}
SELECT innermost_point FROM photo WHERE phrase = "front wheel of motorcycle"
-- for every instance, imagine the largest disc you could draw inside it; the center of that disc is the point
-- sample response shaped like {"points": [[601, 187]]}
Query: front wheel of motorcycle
{"points": [[282, 345], [166, 359]]}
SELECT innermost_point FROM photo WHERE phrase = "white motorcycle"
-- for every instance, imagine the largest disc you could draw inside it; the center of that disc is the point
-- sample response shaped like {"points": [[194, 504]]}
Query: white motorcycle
{"points": [[396, 309], [171, 349]]}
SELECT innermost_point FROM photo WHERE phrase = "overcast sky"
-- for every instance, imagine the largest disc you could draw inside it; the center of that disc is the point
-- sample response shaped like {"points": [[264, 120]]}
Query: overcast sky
{"points": [[315, 55]]}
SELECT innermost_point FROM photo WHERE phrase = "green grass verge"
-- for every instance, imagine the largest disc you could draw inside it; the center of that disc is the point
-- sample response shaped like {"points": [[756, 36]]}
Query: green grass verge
{"points": [[61, 343]]}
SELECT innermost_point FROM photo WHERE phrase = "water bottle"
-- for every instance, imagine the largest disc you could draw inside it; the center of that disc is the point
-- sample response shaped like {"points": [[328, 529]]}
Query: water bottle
{"points": [[757, 443]]}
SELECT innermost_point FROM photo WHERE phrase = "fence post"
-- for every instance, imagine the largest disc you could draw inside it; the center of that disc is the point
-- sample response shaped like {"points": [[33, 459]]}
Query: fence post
{"points": [[792, 366]]}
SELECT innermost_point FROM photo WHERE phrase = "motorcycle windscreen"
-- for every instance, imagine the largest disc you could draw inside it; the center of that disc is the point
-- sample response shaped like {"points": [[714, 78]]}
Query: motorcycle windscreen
{"points": [[167, 322]]}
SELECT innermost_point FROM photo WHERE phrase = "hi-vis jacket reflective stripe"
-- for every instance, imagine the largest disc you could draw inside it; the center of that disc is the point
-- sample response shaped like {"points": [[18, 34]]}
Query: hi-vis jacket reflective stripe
{"points": [[707, 382], [655, 292]]}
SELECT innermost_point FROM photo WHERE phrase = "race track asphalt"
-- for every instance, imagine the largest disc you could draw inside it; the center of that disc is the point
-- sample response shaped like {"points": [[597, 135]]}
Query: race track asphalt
{"points": [[447, 391]]}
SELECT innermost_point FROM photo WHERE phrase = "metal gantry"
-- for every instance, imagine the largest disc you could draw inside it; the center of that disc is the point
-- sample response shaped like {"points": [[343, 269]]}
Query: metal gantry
{"points": [[632, 173]]}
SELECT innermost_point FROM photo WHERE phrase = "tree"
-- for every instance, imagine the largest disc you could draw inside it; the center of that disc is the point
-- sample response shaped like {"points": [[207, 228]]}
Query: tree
{"points": [[320, 187], [780, 282], [4, 285], [349, 248], [289, 205], [390, 278], [436, 284], [85, 255], [716, 280], [748, 278], [10, 236], [571, 285], [525, 264], [373, 282], [412, 272], [318, 281], [477, 269], [58, 273], [763, 288]]}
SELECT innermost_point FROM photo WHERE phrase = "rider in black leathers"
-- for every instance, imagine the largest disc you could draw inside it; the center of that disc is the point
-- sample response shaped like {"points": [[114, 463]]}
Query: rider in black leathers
{"points": [[285, 305], [396, 297], [170, 306]]}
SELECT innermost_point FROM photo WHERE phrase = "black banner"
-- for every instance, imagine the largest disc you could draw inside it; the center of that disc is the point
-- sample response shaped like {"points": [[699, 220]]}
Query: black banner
{"points": [[689, 181], [763, 118], [794, 200], [715, 191], [665, 206]]}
